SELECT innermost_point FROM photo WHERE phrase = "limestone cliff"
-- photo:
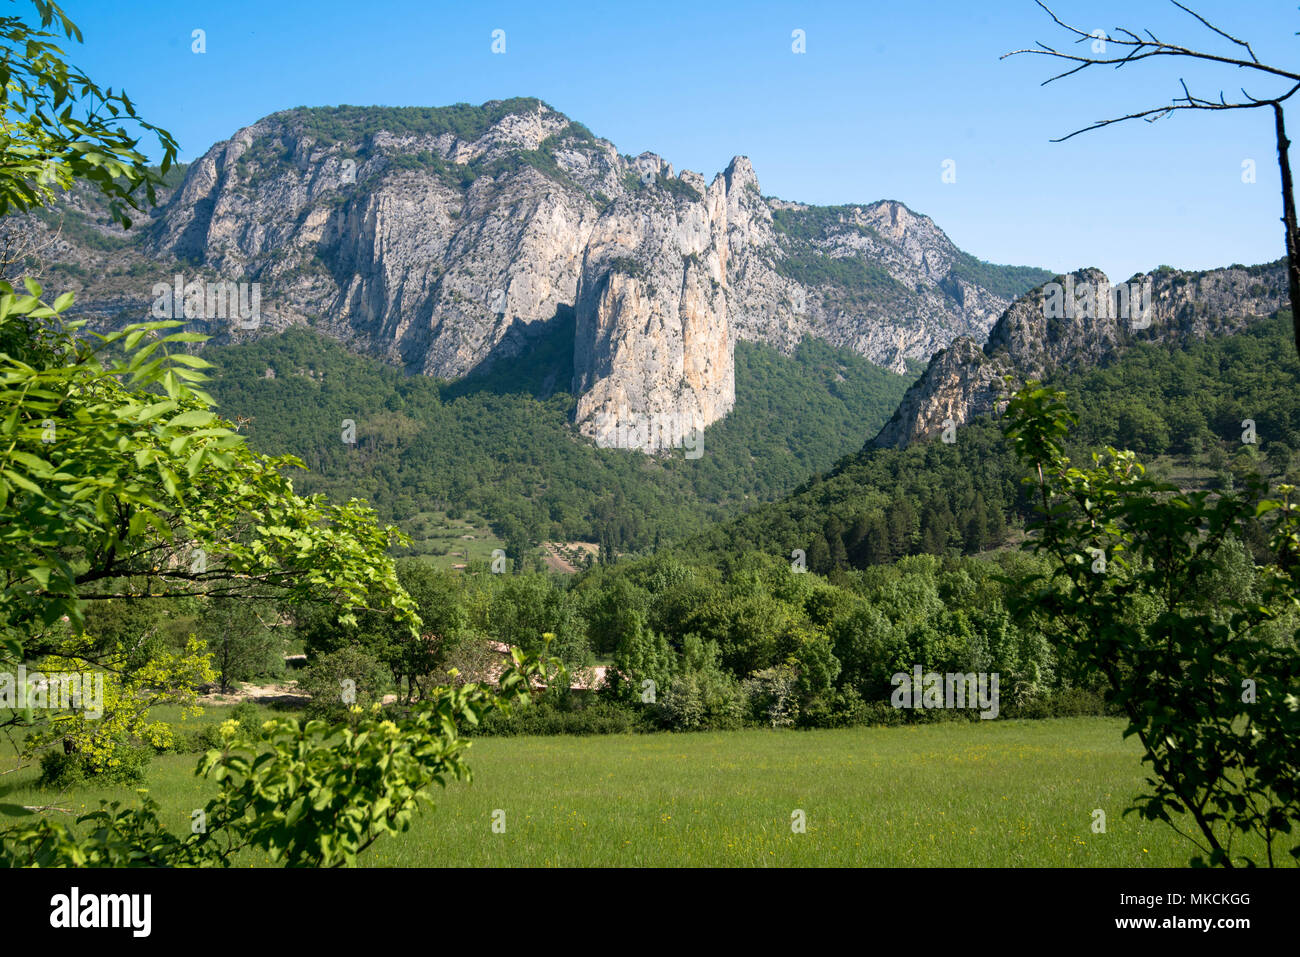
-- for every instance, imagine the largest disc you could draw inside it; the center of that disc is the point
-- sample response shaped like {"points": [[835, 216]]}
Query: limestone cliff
{"points": [[1073, 322], [448, 239]]}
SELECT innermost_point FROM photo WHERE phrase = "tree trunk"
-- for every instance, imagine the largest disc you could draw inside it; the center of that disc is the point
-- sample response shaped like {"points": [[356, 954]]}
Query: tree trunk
{"points": [[1289, 219]]}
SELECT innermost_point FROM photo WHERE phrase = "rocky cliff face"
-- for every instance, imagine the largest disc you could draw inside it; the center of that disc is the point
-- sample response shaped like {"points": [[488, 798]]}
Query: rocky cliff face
{"points": [[878, 279], [448, 239], [423, 248], [1077, 321], [653, 350]]}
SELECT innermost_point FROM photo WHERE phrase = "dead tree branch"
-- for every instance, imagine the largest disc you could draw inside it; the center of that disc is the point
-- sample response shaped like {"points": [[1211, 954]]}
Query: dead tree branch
{"points": [[1133, 48]]}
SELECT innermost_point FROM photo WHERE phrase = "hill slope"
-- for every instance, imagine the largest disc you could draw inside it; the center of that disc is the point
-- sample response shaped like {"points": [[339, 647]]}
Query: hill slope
{"points": [[1181, 401], [500, 444]]}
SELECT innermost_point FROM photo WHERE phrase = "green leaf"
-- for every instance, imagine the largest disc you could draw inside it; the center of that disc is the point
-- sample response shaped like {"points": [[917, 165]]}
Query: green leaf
{"points": [[191, 419]]}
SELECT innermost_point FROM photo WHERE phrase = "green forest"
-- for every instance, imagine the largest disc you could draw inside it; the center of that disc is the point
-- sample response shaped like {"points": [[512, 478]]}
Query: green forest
{"points": [[1183, 405], [502, 445], [906, 554]]}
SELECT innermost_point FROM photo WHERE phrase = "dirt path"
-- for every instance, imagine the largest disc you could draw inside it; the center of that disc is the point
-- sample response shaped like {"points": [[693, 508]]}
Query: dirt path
{"points": [[286, 693]]}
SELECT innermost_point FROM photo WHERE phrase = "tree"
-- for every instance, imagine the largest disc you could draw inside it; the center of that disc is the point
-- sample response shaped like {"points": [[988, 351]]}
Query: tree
{"points": [[614, 612], [118, 481], [242, 644], [975, 531], [819, 555], [420, 659], [1134, 48], [817, 668], [45, 145], [873, 547], [901, 517], [112, 737], [1203, 658], [643, 655], [701, 694]]}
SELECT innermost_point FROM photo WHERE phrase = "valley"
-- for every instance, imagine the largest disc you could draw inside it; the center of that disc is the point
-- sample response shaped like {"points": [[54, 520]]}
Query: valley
{"points": [[435, 484]]}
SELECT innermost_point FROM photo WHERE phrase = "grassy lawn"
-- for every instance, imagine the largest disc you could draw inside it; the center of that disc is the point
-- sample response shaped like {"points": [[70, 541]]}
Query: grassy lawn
{"points": [[1012, 793]]}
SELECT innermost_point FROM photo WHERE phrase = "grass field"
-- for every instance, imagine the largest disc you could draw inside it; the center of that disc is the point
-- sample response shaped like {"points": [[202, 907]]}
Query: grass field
{"points": [[445, 542], [1004, 793]]}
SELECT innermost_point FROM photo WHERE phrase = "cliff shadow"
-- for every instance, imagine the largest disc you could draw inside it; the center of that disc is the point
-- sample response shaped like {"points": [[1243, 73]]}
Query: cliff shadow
{"points": [[532, 358]]}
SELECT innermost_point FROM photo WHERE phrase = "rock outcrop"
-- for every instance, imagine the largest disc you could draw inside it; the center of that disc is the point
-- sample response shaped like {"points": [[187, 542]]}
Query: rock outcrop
{"points": [[653, 349], [1077, 321]]}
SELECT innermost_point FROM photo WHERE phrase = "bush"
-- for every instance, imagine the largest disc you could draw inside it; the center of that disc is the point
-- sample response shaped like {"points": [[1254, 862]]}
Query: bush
{"points": [[199, 740], [771, 696], [248, 715], [1066, 703], [341, 679], [882, 713], [61, 769], [594, 717], [701, 702]]}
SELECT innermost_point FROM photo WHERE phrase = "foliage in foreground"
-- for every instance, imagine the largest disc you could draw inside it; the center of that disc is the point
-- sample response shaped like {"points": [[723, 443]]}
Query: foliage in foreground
{"points": [[58, 127], [307, 794], [1211, 688]]}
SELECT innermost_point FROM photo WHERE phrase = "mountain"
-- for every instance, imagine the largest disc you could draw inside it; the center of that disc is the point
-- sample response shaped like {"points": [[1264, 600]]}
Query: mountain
{"points": [[1174, 378], [1037, 337], [449, 239]]}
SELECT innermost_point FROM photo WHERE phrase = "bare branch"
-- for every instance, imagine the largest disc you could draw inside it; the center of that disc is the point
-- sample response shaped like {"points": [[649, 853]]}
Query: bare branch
{"points": [[1135, 48], [1188, 102], [1228, 36], [1140, 49]]}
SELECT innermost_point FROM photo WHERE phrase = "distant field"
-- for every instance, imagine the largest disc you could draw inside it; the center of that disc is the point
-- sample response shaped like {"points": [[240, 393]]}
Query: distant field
{"points": [[447, 542], [1004, 793]]}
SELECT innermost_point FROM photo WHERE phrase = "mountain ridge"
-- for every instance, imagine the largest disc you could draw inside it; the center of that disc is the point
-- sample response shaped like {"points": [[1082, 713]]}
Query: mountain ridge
{"points": [[1037, 337], [444, 238]]}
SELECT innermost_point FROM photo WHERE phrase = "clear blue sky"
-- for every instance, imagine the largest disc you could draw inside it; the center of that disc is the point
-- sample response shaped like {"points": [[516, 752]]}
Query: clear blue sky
{"points": [[884, 94]]}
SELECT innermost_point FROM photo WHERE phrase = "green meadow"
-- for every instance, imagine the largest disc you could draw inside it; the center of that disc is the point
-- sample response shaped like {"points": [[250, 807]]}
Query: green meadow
{"points": [[447, 543], [1001, 793]]}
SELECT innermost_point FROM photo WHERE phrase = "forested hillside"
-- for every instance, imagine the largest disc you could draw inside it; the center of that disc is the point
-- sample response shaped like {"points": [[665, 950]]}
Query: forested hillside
{"points": [[1183, 405], [501, 444]]}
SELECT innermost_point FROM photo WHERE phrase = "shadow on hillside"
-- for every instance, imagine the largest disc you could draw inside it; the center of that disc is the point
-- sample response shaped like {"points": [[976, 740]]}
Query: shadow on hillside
{"points": [[532, 358]]}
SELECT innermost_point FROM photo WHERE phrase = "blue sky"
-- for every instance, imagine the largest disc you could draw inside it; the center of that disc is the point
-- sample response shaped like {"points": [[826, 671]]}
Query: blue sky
{"points": [[886, 92]]}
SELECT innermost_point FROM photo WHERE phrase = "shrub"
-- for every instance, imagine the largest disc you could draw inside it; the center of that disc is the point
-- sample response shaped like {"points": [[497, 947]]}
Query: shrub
{"points": [[197, 740], [343, 678], [1066, 703], [59, 769], [595, 717], [63, 769], [248, 715], [695, 703], [771, 696]]}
